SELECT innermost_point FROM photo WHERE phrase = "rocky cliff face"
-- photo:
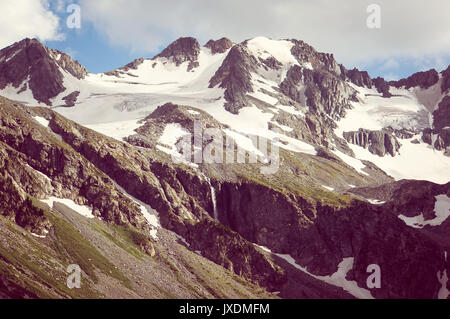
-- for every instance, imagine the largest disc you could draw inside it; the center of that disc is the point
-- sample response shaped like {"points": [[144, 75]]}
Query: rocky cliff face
{"points": [[319, 237], [439, 135], [234, 75], [377, 142], [360, 78], [71, 176]]}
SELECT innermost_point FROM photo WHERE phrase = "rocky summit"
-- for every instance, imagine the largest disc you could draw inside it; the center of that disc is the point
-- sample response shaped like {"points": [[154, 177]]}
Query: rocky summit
{"points": [[260, 169]]}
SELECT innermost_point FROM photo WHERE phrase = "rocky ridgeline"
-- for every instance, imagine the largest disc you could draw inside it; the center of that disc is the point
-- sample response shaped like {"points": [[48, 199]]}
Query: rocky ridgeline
{"points": [[322, 88], [234, 75], [420, 79], [45, 166], [219, 46], [182, 50], [125, 69], [29, 65]]}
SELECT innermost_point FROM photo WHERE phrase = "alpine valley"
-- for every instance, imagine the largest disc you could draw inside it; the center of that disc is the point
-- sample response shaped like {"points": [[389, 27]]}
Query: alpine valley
{"points": [[87, 176]]}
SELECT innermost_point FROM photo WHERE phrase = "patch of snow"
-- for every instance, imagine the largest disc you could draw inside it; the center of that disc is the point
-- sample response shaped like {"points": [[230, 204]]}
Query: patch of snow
{"points": [[331, 189], [244, 142], [279, 49], [43, 121], [39, 236], [283, 127], [264, 97], [308, 65], [292, 144], [40, 173], [263, 248], [290, 109], [375, 112], [376, 201], [441, 209], [171, 134], [193, 112], [338, 278], [409, 164], [148, 212], [117, 130], [351, 161], [85, 211]]}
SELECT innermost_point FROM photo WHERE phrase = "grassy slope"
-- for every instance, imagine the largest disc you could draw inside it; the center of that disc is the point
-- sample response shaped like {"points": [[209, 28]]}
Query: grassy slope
{"points": [[38, 266]]}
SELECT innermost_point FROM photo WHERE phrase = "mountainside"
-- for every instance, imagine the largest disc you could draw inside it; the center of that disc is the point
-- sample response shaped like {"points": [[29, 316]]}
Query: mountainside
{"points": [[258, 169]]}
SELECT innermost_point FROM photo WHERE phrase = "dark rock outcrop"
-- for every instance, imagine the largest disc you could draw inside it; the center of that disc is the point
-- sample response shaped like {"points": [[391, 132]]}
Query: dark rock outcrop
{"points": [[377, 142], [182, 50], [29, 62], [439, 135], [219, 46], [326, 92], [420, 79], [15, 205], [234, 76], [382, 86], [360, 78], [445, 86], [71, 98], [291, 86]]}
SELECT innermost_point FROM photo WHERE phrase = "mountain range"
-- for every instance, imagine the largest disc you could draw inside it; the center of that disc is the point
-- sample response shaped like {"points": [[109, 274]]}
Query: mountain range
{"points": [[88, 175]]}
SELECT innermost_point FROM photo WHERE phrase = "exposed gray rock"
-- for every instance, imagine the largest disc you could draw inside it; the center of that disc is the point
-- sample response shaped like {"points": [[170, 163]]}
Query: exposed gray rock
{"points": [[234, 76], [327, 93], [420, 79], [360, 78], [291, 86], [182, 50], [440, 133], [219, 46], [125, 69], [71, 98], [445, 86], [382, 86], [377, 142], [28, 60]]}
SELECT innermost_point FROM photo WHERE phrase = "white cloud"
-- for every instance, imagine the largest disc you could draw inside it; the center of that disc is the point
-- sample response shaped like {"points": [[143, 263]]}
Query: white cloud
{"points": [[409, 27], [390, 63], [27, 18]]}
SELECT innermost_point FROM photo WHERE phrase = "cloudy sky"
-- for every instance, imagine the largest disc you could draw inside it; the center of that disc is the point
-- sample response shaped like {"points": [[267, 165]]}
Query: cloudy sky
{"points": [[414, 35]]}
